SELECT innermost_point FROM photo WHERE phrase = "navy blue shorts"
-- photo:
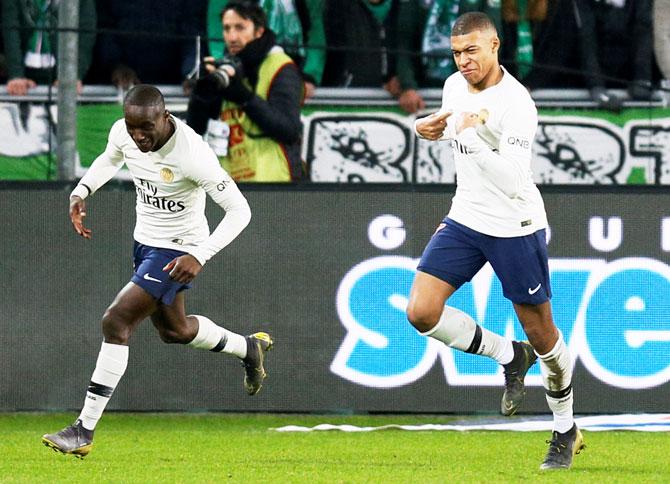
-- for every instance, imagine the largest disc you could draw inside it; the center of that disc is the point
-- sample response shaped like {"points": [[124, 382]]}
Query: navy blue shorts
{"points": [[456, 253], [148, 263]]}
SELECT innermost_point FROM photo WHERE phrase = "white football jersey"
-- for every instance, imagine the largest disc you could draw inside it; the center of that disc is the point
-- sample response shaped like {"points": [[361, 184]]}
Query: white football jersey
{"points": [[495, 192], [171, 186]]}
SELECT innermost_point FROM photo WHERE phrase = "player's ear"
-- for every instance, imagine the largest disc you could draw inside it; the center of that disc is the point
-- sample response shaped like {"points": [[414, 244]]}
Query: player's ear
{"points": [[495, 44]]}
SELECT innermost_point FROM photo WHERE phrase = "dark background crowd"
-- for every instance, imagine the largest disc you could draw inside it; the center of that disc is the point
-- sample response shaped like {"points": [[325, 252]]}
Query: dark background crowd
{"points": [[400, 45]]}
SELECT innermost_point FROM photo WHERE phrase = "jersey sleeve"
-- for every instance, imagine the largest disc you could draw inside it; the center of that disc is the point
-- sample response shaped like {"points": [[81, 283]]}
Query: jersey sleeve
{"points": [[105, 166], [204, 169], [509, 168]]}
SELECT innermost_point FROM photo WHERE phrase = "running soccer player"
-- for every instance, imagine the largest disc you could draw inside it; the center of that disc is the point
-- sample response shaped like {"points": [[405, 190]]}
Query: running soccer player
{"points": [[173, 169], [497, 215]]}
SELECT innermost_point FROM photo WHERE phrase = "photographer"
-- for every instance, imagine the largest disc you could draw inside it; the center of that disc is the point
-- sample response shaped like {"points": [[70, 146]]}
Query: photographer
{"points": [[257, 90]]}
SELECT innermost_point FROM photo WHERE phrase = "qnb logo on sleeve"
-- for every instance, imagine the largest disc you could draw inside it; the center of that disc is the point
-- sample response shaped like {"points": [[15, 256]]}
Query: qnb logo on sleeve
{"points": [[613, 315], [522, 143]]}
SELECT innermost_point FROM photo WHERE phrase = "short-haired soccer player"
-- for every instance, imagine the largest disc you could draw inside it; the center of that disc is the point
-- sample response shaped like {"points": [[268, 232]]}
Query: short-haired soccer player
{"points": [[497, 215], [173, 170]]}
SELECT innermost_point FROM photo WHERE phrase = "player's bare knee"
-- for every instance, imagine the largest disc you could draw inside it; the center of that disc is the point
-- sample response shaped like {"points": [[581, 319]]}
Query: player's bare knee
{"points": [[114, 329], [421, 319], [176, 335], [541, 342], [169, 336], [542, 335]]}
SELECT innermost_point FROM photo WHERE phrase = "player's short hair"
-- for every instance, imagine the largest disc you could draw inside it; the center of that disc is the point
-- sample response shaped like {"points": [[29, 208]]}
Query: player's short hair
{"points": [[144, 95], [248, 10], [471, 22]]}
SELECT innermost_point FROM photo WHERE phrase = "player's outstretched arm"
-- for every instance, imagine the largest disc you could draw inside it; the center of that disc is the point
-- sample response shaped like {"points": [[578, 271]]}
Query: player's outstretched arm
{"points": [[432, 126], [101, 171], [183, 268], [77, 214]]}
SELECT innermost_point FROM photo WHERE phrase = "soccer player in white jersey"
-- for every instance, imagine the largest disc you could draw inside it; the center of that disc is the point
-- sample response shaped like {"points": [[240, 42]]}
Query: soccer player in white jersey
{"points": [[497, 215], [173, 169]]}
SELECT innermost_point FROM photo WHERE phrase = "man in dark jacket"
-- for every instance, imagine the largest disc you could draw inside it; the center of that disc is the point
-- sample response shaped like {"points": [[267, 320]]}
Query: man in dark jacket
{"points": [[617, 41], [257, 90], [610, 40], [360, 35], [147, 41]]}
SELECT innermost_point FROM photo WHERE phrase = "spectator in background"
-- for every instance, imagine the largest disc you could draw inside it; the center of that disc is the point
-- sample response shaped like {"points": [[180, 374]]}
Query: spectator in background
{"points": [[298, 26], [662, 36], [412, 16], [616, 41], [425, 26], [258, 92], [31, 48], [556, 49], [359, 35], [148, 50], [521, 19]]}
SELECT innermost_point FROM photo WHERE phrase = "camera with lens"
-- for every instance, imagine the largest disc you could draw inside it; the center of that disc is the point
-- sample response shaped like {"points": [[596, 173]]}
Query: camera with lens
{"points": [[226, 67]]}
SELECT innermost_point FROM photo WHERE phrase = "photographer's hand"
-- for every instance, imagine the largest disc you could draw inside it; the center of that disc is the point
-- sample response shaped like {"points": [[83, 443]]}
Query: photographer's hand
{"points": [[237, 91], [208, 62], [231, 65]]}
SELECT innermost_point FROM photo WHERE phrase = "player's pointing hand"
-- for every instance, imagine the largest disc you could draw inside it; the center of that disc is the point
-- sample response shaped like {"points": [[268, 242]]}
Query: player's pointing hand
{"points": [[77, 214], [431, 127]]}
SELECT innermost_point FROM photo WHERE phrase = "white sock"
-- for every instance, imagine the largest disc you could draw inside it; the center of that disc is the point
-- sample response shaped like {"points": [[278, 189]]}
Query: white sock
{"points": [[458, 330], [556, 369], [562, 410], [110, 367], [215, 338]]}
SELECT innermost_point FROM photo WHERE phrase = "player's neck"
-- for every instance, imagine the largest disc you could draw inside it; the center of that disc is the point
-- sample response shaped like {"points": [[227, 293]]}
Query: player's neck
{"points": [[494, 76], [170, 131]]}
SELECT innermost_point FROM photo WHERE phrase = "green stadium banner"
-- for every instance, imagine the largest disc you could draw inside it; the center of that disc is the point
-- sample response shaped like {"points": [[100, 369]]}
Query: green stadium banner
{"points": [[377, 144]]}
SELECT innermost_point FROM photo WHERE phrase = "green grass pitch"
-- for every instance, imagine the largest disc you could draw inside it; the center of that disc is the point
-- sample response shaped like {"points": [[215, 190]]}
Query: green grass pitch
{"points": [[241, 448]]}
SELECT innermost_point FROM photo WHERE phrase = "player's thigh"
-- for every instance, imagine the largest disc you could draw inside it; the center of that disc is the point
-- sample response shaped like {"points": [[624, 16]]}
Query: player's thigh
{"points": [[522, 265], [171, 317], [453, 254], [427, 297], [130, 306], [451, 258]]}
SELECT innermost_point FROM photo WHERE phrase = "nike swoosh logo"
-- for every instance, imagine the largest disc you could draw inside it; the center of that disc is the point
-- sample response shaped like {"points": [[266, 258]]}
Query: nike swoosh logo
{"points": [[533, 291], [147, 277]]}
